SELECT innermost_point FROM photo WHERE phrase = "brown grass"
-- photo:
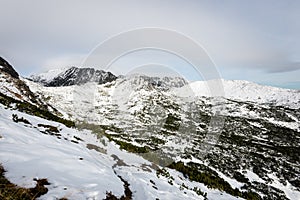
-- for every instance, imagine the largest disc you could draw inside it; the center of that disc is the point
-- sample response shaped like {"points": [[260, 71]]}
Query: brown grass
{"points": [[10, 191]]}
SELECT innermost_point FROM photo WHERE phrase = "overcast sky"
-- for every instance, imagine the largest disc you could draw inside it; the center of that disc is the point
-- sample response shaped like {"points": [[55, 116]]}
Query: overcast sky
{"points": [[249, 40]]}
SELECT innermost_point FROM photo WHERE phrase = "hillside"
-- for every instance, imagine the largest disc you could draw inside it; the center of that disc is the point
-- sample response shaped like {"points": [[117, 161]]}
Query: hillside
{"points": [[139, 137], [260, 123]]}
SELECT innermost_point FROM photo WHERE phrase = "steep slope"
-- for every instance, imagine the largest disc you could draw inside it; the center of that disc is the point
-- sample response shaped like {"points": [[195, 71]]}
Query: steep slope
{"points": [[81, 165], [12, 86], [15, 93], [7, 68]]}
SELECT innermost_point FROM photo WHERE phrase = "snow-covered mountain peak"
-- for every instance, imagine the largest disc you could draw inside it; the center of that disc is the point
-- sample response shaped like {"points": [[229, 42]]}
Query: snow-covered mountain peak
{"points": [[73, 76], [47, 76]]}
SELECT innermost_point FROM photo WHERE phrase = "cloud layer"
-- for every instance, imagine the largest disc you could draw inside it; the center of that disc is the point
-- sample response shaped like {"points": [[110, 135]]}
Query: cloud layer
{"points": [[261, 37]]}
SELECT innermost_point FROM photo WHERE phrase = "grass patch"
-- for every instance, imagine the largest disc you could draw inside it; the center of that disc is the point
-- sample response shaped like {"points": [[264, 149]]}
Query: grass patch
{"points": [[130, 147], [22, 119], [10, 191], [49, 129]]}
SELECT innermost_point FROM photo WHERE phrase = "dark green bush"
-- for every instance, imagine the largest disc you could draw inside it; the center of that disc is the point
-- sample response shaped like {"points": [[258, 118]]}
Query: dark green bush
{"points": [[210, 179]]}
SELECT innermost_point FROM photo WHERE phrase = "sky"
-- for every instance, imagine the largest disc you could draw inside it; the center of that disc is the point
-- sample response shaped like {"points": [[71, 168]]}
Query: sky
{"points": [[257, 41]]}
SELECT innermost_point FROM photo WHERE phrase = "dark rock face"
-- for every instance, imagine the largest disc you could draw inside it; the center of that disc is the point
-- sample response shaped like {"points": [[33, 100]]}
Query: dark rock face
{"points": [[6, 67], [79, 76]]}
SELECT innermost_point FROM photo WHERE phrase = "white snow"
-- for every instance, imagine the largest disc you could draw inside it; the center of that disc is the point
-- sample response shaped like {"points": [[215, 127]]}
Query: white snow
{"points": [[130, 101], [234, 183], [253, 177], [288, 189], [26, 153], [48, 75], [291, 125], [9, 88], [244, 91]]}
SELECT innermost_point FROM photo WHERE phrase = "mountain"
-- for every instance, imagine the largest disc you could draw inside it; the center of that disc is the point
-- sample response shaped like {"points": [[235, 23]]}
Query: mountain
{"points": [[46, 77], [13, 88], [255, 149], [233, 89], [155, 138], [79, 76], [12, 85], [73, 76], [44, 156]]}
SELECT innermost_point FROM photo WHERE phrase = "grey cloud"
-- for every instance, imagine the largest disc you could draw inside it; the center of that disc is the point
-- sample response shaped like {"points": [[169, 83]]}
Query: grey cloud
{"points": [[287, 67], [260, 35]]}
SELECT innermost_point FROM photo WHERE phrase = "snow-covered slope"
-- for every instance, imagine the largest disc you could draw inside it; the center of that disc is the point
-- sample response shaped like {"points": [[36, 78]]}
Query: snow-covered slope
{"points": [[78, 165], [246, 91], [12, 85], [48, 76], [176, 121], [254, 155]]}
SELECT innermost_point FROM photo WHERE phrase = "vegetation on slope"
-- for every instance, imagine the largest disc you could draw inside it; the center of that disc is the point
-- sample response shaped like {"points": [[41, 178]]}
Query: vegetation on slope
{"points": [[10, 191], [205, 175], [33, 110]]}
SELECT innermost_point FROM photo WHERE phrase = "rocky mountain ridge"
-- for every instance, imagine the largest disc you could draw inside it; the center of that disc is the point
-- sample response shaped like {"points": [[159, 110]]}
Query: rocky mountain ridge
{"points": [[74, 76], [7, 68]]}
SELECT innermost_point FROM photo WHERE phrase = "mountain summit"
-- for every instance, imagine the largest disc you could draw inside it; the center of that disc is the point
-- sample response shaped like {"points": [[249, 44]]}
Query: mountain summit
{"points": [[73, 76]]}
